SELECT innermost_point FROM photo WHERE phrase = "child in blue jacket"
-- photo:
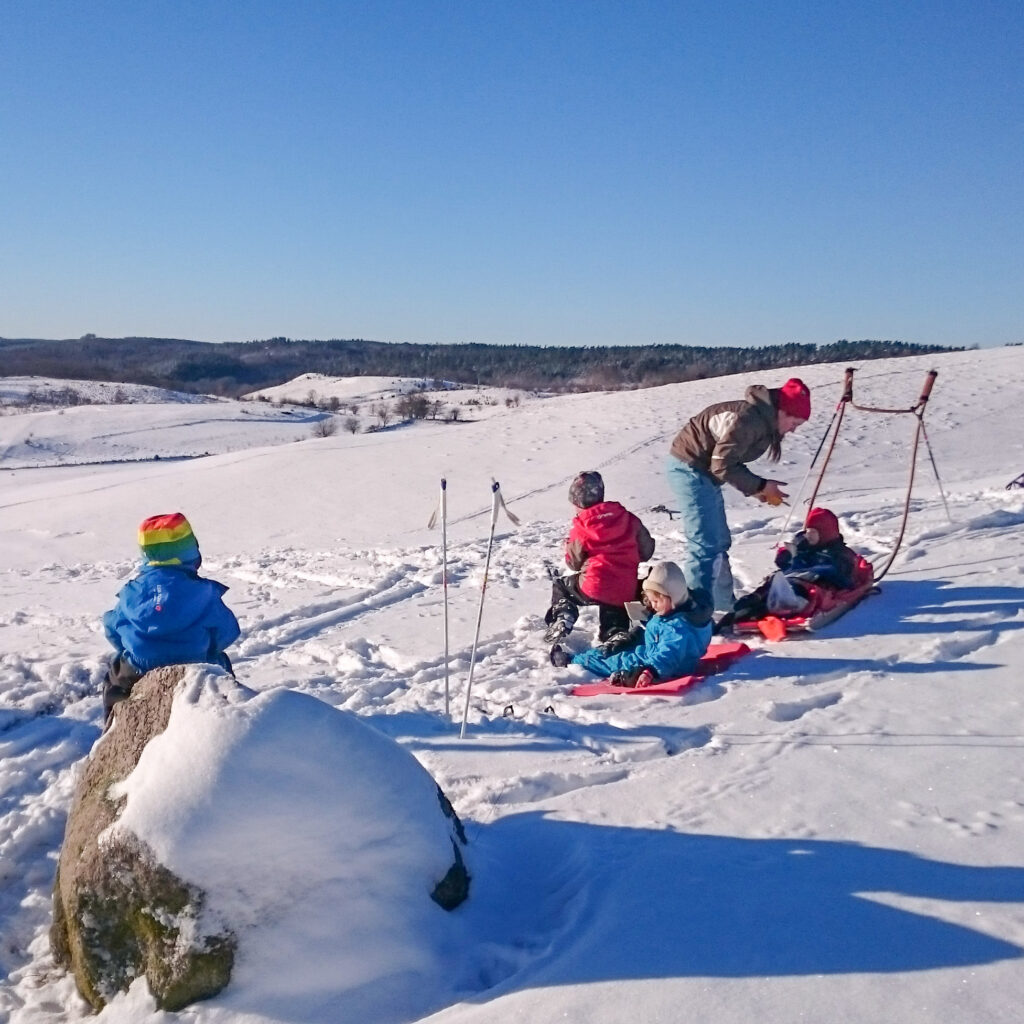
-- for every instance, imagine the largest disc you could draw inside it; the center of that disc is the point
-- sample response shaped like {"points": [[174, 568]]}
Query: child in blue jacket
{"points": [[168, 614], [669, 644], [818, 553]]}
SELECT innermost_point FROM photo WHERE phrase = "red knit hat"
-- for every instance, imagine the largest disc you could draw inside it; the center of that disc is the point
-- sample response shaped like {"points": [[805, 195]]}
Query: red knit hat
{"points": [[794, 397], [825, 522]]}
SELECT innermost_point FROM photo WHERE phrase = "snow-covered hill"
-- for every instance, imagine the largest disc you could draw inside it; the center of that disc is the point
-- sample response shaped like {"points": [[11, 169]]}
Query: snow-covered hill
{"points": [[830, 831], [368, 391], [50, 423]]}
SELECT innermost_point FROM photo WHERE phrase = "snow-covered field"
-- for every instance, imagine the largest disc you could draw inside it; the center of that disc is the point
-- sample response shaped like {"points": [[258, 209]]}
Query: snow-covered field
{"points": [[831, 831]]}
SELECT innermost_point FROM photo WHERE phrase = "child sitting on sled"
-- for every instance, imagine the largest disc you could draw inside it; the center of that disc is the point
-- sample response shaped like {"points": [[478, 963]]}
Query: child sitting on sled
{"points": [[817, 555], [668, 645], [605, 547], [168, 614]]}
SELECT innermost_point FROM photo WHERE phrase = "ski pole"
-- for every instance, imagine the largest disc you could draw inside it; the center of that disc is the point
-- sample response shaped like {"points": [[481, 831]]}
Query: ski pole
{"points": [[837, 419], [935, 469], [444, 587], [495, 505], [442, 509]]}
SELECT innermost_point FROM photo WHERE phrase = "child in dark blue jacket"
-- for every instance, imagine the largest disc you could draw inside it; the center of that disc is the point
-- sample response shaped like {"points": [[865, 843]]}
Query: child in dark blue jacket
{"points": [[818, 553], [167, 614]]}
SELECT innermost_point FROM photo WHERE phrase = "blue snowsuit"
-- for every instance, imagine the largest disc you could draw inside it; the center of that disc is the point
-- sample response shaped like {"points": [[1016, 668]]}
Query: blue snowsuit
{"points": [[833, 563], [671, 646], [169, 615]]}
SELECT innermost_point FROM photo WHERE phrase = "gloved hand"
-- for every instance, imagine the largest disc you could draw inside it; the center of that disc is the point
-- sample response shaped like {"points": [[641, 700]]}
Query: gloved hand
{"points": [[785, 554], [771, 493], [633, 677], [646, 678]]}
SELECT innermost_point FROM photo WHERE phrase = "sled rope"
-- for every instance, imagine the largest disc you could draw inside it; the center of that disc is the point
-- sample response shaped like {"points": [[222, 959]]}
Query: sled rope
{"points": [[917, 410], [836, 421]]}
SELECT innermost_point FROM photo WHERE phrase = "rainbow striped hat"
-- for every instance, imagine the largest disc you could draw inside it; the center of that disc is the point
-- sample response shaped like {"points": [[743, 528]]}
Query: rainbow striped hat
{"points": [[169, 540]]}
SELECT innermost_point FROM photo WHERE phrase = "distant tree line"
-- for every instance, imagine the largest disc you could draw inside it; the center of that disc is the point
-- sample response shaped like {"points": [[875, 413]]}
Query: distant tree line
{"points": [[233, 368]]}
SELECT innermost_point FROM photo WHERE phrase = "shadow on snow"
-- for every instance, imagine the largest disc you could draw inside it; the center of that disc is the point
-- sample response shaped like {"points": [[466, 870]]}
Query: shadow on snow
{"points": [[662, 904]]}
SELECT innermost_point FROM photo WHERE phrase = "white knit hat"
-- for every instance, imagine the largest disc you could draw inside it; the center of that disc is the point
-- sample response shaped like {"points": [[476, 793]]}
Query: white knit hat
{"points": [[668, 579]]}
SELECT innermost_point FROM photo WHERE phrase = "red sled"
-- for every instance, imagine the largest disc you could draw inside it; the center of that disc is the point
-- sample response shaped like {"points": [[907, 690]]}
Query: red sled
{"points": [[824, 605], [717, 658]]}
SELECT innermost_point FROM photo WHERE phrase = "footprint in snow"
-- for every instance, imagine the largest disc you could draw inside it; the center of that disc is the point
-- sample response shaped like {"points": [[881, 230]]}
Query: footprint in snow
{"points": [[791, 711]]}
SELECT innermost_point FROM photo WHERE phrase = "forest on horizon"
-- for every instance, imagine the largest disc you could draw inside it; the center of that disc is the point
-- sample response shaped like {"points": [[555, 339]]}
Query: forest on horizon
{"points": [[234, 368]]}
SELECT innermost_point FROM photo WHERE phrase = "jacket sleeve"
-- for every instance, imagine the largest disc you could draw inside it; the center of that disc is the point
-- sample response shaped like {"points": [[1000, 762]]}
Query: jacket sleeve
{"points": [[831, 568], [676, 648], [575, 553], [223, 626], [112, 622], [726, 466], [644, 541]]}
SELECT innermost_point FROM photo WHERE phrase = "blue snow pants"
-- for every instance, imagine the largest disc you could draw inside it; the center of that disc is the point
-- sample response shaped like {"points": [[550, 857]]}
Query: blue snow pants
{"points": [[704, 526]]}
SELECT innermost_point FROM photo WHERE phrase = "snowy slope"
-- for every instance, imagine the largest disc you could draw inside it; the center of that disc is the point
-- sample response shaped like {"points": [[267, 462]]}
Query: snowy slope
{"points": [[365, 392], [832, 830], [146, 424]]}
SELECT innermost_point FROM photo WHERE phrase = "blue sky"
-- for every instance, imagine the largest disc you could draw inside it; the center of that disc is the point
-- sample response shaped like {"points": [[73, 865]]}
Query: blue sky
{"points": [[582, 172]]}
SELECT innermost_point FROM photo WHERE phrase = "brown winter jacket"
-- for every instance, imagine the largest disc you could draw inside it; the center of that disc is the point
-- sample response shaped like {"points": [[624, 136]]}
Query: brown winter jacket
{"points": [[724, 437]]}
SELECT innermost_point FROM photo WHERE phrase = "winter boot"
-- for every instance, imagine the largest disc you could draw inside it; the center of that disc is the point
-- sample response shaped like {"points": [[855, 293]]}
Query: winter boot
{"points": [[560, 618], [558, 630], [559, 656]]}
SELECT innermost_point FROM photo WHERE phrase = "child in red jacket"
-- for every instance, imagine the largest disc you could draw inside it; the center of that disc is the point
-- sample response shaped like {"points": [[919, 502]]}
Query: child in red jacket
{"points": [[605, 547]]}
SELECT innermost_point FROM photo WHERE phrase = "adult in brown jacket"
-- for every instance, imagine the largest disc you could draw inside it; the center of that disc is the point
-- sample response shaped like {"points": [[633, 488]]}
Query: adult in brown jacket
{"points": [[713, 449]]}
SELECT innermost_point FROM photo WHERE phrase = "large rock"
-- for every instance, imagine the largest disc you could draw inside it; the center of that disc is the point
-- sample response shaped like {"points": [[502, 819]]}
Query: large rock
{"points": [[117, 912], [214, 829]]}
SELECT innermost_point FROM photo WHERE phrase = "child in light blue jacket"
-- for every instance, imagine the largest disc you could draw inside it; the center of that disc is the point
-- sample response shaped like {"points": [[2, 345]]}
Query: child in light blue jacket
{"points": [[669, 644]]}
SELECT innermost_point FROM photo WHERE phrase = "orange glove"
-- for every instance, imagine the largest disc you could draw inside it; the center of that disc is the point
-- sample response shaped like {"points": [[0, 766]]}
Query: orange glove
{"points": [[646, 678], [772, 493]]}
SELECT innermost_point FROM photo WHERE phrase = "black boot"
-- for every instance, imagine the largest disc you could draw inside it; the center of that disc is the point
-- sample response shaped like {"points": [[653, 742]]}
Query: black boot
{"points": [[560, 618]]}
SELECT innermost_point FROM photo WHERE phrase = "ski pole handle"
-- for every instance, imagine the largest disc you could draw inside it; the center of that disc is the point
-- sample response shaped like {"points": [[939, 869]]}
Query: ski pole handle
{"points": [[929, 383], [847, 385], [495, 503]]}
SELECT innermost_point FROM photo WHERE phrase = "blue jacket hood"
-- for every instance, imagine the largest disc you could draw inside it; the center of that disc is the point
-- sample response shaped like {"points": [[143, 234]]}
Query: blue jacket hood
{"points": [[167, 615]]}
